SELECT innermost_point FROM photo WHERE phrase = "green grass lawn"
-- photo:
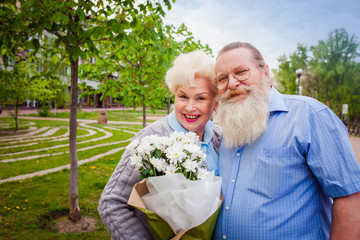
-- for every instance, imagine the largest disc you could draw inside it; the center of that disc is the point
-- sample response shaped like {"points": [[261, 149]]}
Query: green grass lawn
{"points": [[29, 208], [113, 115]]}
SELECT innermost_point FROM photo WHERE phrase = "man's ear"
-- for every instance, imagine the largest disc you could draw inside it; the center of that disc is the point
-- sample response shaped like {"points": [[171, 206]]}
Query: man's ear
{"points": [[267, 71], [267, 74]]}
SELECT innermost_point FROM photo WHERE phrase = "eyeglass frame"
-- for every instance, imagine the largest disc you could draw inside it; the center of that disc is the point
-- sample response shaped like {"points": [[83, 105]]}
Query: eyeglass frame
{"points": [[236, 77]]}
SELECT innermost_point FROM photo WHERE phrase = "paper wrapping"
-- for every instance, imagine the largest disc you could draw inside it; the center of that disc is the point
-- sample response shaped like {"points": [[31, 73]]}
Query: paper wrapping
{"points": [[160, 228]]}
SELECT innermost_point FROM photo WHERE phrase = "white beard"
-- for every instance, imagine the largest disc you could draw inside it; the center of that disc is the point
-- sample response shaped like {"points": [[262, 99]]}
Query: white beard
{"points": [[243, 122]]}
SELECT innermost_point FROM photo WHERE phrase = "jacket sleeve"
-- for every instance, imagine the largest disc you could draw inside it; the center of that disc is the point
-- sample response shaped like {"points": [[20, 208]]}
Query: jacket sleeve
{"points": [[216, 140], [121, 220]]}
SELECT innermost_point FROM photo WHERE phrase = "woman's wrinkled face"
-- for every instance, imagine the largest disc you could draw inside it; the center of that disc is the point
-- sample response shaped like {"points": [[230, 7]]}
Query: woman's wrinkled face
{"points": [[194, 106]]}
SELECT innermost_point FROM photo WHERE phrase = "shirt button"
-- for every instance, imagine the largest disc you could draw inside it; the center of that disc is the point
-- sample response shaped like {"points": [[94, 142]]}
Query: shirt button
{"points": [[233, 180], [227, 207], [238, 154], [224, 237]]}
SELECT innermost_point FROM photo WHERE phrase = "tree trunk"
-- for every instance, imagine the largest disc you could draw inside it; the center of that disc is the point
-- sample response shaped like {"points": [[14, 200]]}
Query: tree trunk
{"points": [[75, 214], [144, 111], [55, 107], [168, 105], [81, 103], [16, 116]]}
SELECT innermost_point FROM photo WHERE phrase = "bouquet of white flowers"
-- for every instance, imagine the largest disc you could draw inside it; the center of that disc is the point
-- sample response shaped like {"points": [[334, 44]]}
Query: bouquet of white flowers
{"points": [[175, 207], [179, 153]]}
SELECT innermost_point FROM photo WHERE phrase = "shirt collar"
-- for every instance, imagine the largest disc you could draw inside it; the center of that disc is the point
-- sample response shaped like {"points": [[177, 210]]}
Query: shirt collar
{"points": [[176, 126], [277, 102]]}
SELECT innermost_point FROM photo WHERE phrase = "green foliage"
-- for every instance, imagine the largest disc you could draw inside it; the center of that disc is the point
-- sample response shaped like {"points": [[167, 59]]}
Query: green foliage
{"points": [[286, 74], [15, 88], [331, 72], [15, 85], [44, 110], [133, 72], [336, 64], [75, 26]]}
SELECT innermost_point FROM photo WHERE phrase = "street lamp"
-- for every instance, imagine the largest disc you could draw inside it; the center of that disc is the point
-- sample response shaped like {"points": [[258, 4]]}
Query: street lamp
{"points": [[298, 74]]}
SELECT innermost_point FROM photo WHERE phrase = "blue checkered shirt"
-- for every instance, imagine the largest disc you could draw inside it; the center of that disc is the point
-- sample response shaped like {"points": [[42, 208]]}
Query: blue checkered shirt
{"points": [[280, 186]]}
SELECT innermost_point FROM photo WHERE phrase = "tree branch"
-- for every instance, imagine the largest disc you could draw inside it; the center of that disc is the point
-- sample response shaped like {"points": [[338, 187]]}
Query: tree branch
{"points": [[129, 62]]}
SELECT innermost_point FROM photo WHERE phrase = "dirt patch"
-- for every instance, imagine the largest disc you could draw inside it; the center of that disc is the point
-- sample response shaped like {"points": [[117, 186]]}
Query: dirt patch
{"points": [[84, 225]]}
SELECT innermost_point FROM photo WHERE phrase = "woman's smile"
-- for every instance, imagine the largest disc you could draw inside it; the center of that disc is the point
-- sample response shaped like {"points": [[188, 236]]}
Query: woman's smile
{"points": [[191, 117]]}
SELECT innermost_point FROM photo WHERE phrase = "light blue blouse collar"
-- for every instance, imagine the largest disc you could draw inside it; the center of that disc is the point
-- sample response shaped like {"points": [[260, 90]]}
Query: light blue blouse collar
{"points": [[176, 126]]}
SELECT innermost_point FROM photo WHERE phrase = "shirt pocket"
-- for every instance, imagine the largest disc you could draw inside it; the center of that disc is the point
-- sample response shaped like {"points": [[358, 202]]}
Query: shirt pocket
{"points": [[274, 173]]}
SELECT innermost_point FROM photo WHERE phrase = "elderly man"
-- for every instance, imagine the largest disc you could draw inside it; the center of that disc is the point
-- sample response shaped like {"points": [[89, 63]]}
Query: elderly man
{"points": [[288, 168]]}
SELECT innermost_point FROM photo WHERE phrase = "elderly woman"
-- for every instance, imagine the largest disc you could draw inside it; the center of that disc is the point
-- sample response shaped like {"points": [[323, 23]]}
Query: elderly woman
{"points": [[192, 80]]}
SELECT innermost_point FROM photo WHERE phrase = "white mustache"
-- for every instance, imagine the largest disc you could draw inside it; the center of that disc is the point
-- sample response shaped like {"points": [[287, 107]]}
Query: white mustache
{"points": [[233, 92]]}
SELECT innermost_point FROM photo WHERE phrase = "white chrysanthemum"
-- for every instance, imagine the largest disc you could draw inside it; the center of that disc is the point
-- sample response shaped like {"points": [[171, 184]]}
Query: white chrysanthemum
{"points": [[191, 138], [132, 146], [198, 154], [136, 160], [147, 140], [183, 138], [170, 169], [192, 148], [180, 151], [202, 173], [177, 135], [158, 163], [144, 148], [190, 165], [175, 153], [160, 143]]}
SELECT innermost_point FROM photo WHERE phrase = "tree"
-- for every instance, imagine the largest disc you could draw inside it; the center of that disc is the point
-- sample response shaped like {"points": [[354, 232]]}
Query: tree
{"points": [[286, 75], [48, 74], [334, 62], [331, 72], [15, 88], [76, 26], [140, 70]]}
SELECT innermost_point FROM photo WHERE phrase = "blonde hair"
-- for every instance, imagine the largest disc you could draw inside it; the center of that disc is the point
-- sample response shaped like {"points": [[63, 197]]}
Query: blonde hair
{"points": [[188, 65]]}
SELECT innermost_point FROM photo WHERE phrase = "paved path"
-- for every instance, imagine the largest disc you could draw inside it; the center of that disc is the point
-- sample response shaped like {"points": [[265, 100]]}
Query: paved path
{"points": [[355, 142], [67, 166], [93, 158], [80, 120]]}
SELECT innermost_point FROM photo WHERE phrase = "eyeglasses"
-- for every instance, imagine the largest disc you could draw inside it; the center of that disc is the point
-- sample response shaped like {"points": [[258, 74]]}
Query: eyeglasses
{"points": [[240, 75]]}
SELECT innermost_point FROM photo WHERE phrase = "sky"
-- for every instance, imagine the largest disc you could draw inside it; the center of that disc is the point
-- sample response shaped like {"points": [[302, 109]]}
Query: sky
{"points": [[275, 27]]}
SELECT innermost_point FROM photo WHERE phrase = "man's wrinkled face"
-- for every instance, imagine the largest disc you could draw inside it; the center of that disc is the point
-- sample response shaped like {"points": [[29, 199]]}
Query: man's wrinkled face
{"points": [[236, 70]]}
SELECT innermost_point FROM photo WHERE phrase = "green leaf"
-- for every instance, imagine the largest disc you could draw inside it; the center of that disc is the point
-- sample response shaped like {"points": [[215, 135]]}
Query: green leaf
{"points": [[57, 17], [64, 18], [90, 44], [146, 172], [133, 23], [168, 4], [35, 43], [119, 38], [81, 14], [157, 153]]}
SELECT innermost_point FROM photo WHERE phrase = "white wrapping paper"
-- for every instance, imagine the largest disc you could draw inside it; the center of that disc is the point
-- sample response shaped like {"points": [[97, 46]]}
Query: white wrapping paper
{"points": [[183, 203]]}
